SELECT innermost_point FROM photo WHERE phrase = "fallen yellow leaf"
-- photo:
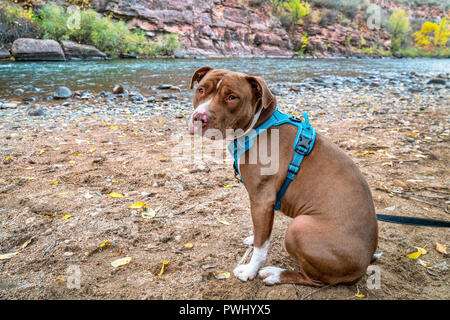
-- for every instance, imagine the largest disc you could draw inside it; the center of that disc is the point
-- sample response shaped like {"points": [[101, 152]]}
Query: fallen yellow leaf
{"points": [[148, 213], [366, 152], [104, 243], [221, 275], [165, 262], [67, 216], [115, 195], [8, 255], [223, 221], [121, 262], [358, 294], [441, 248], [12, 254], [423, 264], [138, 205], [231, 186], [417, 254]]}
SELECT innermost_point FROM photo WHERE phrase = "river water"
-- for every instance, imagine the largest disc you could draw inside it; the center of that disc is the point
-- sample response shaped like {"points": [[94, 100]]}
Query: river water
{"points": [[42, 78]]}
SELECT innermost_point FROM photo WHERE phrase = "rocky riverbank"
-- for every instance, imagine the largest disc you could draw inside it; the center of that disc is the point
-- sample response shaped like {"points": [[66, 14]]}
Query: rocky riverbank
{"points": [[71, 169], [175, 99]]}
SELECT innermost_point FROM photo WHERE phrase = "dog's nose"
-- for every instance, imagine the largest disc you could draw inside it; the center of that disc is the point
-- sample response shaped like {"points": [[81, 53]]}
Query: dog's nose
{"points": [[200, 117]]}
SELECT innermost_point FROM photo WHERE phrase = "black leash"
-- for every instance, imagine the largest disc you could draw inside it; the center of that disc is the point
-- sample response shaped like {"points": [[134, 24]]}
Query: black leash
{"points": [[411, 221]]}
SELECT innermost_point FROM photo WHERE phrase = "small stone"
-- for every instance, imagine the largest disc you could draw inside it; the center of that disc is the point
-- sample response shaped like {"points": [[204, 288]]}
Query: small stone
{"points": [[9, 105], [36, 111], [19, 92], [62, 93], [164, 86], [437, 81], [166, 239], [118, 89], [29, 100]]}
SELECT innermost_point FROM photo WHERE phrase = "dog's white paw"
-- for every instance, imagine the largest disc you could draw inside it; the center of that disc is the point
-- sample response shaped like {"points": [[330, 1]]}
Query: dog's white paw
{"points": [[245, 272], [271, 275], [248, 241]]}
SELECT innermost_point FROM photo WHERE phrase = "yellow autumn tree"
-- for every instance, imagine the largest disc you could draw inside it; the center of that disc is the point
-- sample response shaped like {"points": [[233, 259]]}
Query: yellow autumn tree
{"points": [[432, 35]]}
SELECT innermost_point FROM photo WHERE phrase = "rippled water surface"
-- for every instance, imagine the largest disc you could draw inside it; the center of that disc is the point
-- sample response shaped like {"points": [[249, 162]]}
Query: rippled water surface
{"points": [[44, 77]]}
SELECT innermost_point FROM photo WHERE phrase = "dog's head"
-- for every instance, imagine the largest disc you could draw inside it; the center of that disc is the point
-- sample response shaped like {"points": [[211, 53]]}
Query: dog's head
{"points": [[226, 100]]}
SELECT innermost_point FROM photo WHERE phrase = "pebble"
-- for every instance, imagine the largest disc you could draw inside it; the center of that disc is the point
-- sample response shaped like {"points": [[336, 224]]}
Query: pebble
{"points": [[19, 92], [36, 111]]}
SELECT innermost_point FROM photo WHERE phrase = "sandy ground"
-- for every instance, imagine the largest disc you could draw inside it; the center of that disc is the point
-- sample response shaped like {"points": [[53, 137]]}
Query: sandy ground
{"points": [[53, 169]]}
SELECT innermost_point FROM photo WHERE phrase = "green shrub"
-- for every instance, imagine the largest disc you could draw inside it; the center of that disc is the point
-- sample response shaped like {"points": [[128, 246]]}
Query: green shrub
{"points": [[413, 52], [89, 27], [329, 18], [290, 12], [52, 21], [167, 45], [329, 4], [297, 10], [351, 7], [15, 22]]}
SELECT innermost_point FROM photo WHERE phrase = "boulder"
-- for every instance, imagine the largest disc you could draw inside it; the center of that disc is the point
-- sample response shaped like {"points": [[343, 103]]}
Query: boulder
{"points": [[129, 55], [25, 49], [4, 54], [75, 51]]}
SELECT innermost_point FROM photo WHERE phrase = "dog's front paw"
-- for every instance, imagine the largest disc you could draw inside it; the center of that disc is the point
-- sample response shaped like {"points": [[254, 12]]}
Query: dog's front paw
{"points": [[245, 272], [248, 241]]}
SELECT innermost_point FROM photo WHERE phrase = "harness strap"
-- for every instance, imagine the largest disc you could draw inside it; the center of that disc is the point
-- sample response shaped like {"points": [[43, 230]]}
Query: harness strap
{"points": [[303, 144]]}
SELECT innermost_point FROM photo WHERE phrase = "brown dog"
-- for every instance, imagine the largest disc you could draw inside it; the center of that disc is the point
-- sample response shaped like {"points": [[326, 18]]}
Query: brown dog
{"points": [[334, 232]]}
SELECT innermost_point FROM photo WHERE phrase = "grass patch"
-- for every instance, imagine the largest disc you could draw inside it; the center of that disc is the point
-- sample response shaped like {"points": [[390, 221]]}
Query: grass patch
{"points": [[413, 52]]}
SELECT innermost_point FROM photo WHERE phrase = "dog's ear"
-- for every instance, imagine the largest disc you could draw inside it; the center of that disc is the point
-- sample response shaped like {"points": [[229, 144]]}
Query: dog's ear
{"points": [[261, 91], [199, 74]]}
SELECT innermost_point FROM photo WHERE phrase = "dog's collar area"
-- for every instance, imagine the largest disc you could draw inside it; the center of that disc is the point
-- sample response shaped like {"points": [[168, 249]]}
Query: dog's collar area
{"points": [[303, 145]]}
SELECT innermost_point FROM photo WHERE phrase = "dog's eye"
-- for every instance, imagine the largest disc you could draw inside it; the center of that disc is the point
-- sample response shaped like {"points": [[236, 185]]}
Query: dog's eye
{"points": [[231, 97], [201, 90]]}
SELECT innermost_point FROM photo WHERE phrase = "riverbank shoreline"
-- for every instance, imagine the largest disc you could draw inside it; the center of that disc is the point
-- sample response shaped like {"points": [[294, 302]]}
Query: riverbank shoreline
{"points": [[61, 161]]}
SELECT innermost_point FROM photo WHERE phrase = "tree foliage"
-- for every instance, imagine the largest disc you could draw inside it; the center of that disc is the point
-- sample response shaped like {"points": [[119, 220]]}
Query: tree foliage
{"points": [[432, 35], [399, 26]]}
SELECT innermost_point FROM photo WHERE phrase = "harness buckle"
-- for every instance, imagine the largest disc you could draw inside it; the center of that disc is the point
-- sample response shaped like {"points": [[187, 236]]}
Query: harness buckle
{"points": [[303, 145], [295, 119]]}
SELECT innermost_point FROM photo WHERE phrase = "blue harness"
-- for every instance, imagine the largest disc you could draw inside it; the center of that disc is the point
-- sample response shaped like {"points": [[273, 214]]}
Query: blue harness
{"points": [[303, 144]]}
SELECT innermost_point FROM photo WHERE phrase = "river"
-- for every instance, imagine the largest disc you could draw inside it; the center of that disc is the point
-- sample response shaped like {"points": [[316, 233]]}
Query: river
{"points": [[42, 78]]}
